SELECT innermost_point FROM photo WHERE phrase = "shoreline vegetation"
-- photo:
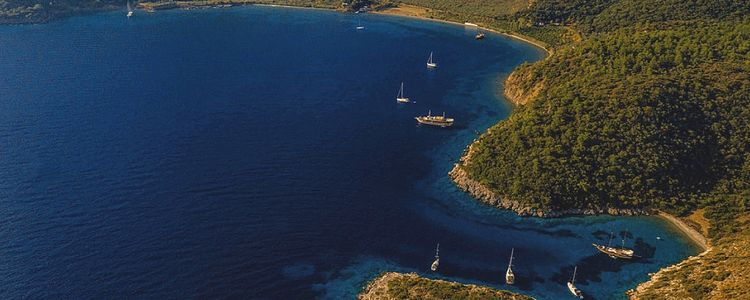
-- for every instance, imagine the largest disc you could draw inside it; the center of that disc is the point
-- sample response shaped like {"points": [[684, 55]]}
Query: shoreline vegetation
{"points": [[484, 194], [392, 286], [165, 5]]}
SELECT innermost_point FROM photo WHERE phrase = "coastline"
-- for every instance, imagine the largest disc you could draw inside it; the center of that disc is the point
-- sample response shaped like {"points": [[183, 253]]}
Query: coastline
{"points": [[486, 195], [696, 237], [394, 285], [693, 235], [151, 7], [396, 12], [656, 277]]}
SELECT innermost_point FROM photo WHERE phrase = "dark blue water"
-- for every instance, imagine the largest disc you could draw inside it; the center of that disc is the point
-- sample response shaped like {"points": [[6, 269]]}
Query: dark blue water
{"points": [[259, 152]]}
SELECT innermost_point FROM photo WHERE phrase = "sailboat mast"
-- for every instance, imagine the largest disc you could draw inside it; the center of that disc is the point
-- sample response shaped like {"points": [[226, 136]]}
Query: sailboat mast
{"points": [[574, 275], [510, 263], [437, 251]]}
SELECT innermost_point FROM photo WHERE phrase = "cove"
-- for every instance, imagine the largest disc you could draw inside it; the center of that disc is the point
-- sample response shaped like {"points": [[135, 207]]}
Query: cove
{"points": [[258, 152]]}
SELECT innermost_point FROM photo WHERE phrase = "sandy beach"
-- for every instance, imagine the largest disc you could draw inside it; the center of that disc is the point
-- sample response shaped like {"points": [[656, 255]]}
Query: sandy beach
{"points": [[688, 231], [411, 11]]}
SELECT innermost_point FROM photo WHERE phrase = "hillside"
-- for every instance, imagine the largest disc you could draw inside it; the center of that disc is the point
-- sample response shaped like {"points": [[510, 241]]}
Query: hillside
{"points": [[721, 272], [396, 286], [648, 116], [651, 110]]}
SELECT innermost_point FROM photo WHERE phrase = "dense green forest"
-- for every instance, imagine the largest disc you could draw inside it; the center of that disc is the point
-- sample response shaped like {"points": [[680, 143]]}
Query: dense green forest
{"points": [[608, 15], [644, 116], [27, 11]]}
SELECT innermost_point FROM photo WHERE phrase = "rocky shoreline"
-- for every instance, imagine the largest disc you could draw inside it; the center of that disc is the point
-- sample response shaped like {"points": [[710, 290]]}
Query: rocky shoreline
{"points": [[484, 194], [658, 276]]}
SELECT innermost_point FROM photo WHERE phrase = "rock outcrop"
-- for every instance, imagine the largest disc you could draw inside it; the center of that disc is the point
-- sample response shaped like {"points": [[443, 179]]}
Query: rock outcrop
{"points": [[522, 86], [393, 285]]}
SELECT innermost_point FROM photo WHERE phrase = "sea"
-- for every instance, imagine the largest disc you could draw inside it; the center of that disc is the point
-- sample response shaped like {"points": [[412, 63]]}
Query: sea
{"points": [[259, 153]]}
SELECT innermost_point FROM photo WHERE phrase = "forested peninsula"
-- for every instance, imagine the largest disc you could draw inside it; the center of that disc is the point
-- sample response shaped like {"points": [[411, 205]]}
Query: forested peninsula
{"points": [[642, 105]]}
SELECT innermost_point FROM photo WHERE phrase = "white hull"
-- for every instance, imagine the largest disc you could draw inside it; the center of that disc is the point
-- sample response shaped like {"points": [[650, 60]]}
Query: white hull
{"points": [[510, 278], [400, 97], [574, 290], [436, 263], [130, 14], [360, 27], [435, 123], [431, 63]]}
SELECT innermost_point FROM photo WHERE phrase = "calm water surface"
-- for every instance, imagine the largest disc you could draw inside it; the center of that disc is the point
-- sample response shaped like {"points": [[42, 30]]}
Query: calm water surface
{"points": [[259, 152]]}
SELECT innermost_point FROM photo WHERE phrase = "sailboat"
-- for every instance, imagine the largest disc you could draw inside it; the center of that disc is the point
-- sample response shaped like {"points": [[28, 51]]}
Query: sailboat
{"points": [[359, 25], [615, 252], [430, 63], [509, 277], [436, 263], [130, 10], [571, 285], [400, 97]]}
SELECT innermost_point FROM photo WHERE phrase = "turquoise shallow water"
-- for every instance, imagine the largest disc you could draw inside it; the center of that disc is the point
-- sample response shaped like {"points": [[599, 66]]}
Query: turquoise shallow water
{"points": [[258, 152]]}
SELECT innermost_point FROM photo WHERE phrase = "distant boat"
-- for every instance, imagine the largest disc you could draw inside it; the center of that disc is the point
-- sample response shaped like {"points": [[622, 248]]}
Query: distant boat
{"points": [[359, 25], [429, 119], [571, 285], [615, 252], [130, 10], [479, 36], [400, 97], [509, 277], [436, 263], [430, 63]]}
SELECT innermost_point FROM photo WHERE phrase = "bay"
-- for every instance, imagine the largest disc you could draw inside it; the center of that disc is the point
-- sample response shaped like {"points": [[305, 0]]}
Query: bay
{"points": [[259, 152]]}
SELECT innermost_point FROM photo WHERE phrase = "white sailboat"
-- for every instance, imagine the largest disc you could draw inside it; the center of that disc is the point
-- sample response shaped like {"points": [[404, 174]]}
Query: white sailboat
{"points": [[130, 10], [571, 285], [400, 97], [436, 263], [430, 63], [510, 278], [359, 25]]}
